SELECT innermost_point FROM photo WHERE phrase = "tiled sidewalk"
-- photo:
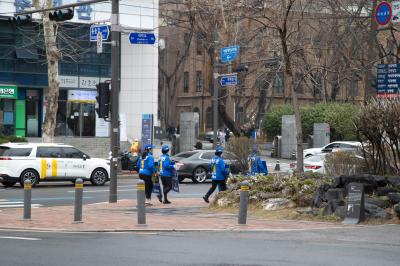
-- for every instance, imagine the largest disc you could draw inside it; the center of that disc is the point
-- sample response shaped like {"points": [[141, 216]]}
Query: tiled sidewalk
{"points": [[181, 215]]}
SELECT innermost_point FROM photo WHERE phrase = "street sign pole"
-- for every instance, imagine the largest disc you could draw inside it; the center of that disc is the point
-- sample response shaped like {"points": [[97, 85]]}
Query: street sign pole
{"points": [[99, 43], [115, 85]]}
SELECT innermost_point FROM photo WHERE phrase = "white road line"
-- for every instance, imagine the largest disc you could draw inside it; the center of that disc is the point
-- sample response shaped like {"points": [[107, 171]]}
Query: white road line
{"points": [[19, 205], [20, 238]]}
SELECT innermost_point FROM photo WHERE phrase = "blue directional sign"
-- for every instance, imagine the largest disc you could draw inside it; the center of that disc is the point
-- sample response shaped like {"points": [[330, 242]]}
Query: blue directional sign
{"points": [[229, 53], [94, 29], [228, 80], [142, 38], [383, 13]]}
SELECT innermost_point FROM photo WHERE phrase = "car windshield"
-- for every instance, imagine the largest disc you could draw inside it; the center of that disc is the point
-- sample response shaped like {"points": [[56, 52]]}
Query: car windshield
{"points": [[15, 152], [185, 154]]}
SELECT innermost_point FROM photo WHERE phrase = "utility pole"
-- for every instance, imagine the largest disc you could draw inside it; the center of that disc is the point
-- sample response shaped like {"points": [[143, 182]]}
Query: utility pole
{"points": [[214, 85], [115, 88]]}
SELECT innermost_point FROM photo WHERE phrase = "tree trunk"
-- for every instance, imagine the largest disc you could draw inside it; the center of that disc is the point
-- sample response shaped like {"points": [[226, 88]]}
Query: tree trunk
{"points": [[53, 55], [299, 130]]}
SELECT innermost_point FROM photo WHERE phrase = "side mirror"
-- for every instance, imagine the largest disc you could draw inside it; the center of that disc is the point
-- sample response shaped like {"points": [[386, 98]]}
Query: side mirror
{"points": [[84, 157]]}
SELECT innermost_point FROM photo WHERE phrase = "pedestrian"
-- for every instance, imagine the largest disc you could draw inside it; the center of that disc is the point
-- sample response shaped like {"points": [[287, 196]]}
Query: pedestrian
{"points": [[227, 135], [146, 171], [166, 168], [219, 173], [255, 164]]}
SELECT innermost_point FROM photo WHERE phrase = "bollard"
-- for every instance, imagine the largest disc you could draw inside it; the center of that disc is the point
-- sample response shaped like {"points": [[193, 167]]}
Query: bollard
{"points": [[277, 166], [78, 200], [27, 199], [244, 201], [141, 209]]}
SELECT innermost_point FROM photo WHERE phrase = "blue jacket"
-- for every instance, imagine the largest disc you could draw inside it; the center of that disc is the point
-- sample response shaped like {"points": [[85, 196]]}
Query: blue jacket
{"points": [[218, 170], [255, 165], [147, 165], [166, 167]]}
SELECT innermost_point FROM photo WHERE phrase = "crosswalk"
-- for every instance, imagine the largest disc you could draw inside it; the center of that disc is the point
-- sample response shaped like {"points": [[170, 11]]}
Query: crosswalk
{"points": [[15, 204]]}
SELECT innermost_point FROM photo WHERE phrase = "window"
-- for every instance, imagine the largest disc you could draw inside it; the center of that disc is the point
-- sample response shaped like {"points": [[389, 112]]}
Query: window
{"points": [[199, 46], [186, 38], [209, 118], [278, 83], [15, 152], [70, 152], [186, 82], [317, 83], [48, 152], [353, 88], [299, 82], [207, 155], [199, 81]]}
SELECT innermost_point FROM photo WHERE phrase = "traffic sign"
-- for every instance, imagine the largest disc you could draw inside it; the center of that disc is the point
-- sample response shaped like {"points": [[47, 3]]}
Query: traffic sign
{"points": [[229, 53], [94, 29], [396, 11], [142, 38], [383, 13], [388, 80], [228, 80], [99, 42]]}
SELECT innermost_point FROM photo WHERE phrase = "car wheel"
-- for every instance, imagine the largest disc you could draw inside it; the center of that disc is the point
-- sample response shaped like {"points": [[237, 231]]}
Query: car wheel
{"points": [[29, 174], [99, 177], [8, 184], [199, 175]]}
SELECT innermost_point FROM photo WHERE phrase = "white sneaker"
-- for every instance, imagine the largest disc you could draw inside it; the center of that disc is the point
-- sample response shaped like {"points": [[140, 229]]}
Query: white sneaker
{"points": [[148, 202]]}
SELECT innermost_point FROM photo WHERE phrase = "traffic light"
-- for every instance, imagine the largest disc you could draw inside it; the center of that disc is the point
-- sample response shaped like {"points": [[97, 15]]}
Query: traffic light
{"points": [[103, 100], [62, 14], [20, 19]]}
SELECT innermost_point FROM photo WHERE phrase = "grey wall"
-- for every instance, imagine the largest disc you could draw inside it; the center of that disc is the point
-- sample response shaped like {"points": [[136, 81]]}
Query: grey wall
{"points": [[188, 130], [321, 135]]}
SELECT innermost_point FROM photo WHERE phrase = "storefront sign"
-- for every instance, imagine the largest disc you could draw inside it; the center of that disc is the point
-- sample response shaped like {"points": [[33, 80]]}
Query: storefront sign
{"points": [[88, 82], [68, 81], [81, 96], [8, 92]]}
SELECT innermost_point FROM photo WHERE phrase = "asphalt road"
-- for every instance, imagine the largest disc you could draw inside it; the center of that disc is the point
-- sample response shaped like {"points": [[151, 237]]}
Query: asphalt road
{"points": [[377, 245], [62, 194]]}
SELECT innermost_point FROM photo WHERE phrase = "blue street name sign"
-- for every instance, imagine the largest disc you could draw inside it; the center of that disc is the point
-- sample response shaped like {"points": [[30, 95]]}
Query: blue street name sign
{"points": [[228, 80], [229, 53], [388, 80], [142, 38], [383, 13], [94, 29]]}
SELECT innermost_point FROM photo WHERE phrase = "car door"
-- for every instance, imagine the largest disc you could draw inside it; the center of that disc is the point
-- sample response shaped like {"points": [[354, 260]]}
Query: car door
{"points": [[52, 165], [330, 147], [76, 164]]}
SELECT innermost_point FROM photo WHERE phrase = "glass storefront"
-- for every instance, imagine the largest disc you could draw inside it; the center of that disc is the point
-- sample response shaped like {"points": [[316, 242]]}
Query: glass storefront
{"points": [[76, 114], [7, 117]]}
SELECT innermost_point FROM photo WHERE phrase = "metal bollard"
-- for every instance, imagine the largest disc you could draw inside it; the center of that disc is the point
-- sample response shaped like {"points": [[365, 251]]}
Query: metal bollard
{"points": [[27, 199], [277, 166], [141, 208], [78, 200], [244, 201]]}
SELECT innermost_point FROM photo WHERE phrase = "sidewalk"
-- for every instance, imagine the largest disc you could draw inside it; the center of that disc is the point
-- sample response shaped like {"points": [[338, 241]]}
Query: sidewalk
{"points": [[182, 215]]}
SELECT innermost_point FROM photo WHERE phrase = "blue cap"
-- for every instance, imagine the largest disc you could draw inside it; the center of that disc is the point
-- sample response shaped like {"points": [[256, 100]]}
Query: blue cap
{"points": [[219, 150], [165, 148], [148, 147]]}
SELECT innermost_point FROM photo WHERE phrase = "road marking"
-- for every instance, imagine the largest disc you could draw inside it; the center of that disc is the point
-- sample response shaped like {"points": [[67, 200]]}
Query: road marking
{"points": [[15, 204], [20, 238], [102, 190]]}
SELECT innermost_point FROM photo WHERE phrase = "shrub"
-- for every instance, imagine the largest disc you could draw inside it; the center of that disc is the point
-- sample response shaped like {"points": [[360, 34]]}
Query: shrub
{"points": [[5, 139], [339, 117], [240, 146], [344, 163]]}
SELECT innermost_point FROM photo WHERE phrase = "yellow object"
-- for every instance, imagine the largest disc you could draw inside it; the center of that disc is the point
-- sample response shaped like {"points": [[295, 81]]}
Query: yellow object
{"points": [[53, 167], [135, 147], [160, 165], [142, 164], [244, 188], [140, 186], [78, 185], [43, 169], [215, 168], [27, 186]]}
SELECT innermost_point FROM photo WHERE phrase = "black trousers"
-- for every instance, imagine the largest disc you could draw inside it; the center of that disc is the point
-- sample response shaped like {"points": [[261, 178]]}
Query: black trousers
{"points": [[167, 185], [148, 185], [214, 184]]}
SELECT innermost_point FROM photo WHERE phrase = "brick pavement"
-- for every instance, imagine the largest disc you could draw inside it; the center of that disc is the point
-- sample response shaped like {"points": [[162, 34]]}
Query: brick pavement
{"points": [[181, 215]]}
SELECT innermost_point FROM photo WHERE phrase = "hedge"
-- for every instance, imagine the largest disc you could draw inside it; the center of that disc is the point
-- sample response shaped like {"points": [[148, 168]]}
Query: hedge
{"points": [[339, 116]]}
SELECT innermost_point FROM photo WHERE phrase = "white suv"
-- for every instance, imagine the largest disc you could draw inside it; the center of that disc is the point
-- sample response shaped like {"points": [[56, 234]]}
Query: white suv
{"points": [[49, 162]]}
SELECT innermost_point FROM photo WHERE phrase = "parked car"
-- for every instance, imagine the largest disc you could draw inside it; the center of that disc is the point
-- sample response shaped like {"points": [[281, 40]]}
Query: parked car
{"points": [[41, 162], [333, 146], [196, 164]]}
